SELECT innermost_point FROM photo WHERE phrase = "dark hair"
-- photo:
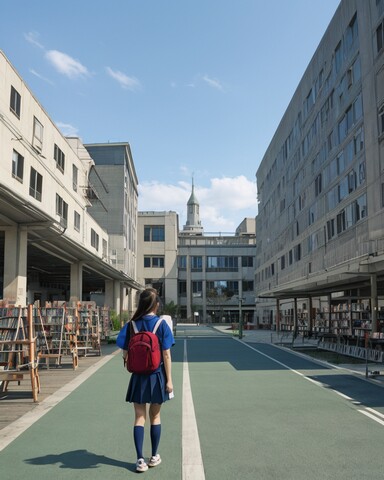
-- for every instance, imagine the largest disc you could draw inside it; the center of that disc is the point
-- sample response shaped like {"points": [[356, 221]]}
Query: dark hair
{"points": [[147, 303]]}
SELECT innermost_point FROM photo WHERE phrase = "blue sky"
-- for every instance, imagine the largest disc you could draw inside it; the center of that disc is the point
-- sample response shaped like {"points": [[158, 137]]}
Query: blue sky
{"points": [[197, 87]]}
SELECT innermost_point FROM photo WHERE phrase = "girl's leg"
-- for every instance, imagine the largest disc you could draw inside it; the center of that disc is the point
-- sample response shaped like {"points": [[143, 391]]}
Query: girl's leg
{"points": [[138, 429], [154, 416]]}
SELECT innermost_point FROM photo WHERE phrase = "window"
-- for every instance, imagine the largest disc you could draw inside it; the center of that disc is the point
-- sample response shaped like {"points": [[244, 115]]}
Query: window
{"points": [[182, 287], [75, 176], [182, 262], [76, 221], [154, 233], [222, 264], [247, 285], [59, 157], [226, 288], [247, 261], [197, 263], [158, 262], [361, 207], [17, 166], [338, 57], [153, 262], [331, 228], [340, 222], [197, 288], [15, 103], [62, 210], [380, 37], [351, 33], [318, 185], [38, 130], [381, 120], [282, 262], [94, 239], [35, 184]]}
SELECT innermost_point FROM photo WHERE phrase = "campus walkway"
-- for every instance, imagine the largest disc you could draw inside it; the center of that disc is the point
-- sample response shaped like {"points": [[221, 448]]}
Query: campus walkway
{"points": [[242, 410]]}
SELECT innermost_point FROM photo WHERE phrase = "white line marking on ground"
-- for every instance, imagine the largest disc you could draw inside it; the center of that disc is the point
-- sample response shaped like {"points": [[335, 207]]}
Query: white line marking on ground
{"points": [[367, 414], [16, 428], [192, 461], [319, 384], [375, 412]]}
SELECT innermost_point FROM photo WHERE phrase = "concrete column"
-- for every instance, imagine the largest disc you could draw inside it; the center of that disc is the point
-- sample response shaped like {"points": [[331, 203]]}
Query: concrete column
{"points": [[109, 294], [76, 282], [15, 266], [189, 290], [277, 315], [374, 302], [295, 323], [310, 318], [113, 295]]}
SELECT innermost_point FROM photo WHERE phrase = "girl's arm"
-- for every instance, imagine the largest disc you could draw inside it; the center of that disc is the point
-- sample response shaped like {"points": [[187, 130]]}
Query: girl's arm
{"points": [[168, 369]]}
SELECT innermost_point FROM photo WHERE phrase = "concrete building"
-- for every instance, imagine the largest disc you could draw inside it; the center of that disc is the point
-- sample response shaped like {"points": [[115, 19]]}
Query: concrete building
{"points": [[210, 278], [114, 205], [157, 234], [320, 220], [51, 248]]}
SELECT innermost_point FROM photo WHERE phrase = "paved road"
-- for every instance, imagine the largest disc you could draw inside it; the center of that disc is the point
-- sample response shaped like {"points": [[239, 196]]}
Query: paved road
{"points": [[260, 412]]}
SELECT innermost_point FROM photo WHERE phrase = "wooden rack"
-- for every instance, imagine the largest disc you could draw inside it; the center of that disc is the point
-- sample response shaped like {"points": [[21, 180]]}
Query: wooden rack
{"points": [[18, 348]]}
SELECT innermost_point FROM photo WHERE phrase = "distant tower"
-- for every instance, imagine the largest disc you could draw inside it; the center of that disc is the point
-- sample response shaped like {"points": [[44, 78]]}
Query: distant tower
{"points": [[193, 225]]}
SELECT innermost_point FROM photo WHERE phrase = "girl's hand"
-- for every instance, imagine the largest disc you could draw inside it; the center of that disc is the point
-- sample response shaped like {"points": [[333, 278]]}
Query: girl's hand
{"points": [[169, 387]]}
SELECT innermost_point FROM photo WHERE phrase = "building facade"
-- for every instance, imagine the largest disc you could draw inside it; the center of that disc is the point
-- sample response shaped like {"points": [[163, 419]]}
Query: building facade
{"points": [[209, 278], [157, 234], [320, 184], [51, 247]]}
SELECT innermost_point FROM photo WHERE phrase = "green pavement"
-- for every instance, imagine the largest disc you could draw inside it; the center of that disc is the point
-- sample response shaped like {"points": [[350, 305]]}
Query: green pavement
{"points": [[262, 413]]}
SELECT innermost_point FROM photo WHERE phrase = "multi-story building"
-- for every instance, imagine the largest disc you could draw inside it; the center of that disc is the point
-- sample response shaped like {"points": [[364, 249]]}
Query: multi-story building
{"points": [[51, 248], [320, 220], [157, 252], [210, 278], [113, 184]]}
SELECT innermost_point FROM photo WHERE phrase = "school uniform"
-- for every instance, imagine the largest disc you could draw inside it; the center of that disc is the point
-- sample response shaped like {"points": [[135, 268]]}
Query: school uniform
{"points": [[151, 388]]}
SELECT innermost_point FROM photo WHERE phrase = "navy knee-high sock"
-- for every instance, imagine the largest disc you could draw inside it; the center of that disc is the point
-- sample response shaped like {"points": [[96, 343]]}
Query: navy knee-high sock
{"points": [[155, 437], [138, 437]]}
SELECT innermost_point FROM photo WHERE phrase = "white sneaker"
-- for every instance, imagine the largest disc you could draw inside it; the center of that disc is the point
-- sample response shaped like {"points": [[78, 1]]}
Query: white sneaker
{"points": [[154, 461], [141, 466]]}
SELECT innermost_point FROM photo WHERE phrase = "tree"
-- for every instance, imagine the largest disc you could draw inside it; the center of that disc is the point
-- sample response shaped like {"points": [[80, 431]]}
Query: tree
{"points": [[171, 309], [217, 297]]}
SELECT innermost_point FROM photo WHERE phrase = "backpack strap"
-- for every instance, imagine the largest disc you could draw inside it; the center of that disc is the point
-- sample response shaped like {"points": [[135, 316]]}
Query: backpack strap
{"points": [[157, 325], [135, 330]]}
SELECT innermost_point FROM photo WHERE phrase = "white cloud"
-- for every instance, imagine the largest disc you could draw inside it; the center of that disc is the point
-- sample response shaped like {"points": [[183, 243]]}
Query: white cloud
{"points": [[129, 83], [32, 37], [213, 82], [38, 75], [223, 205], [66, 65], [67, 129]]}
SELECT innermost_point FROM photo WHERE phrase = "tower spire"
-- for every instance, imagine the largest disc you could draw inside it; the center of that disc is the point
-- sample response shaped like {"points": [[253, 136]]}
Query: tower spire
{"points": [[193, 225]]}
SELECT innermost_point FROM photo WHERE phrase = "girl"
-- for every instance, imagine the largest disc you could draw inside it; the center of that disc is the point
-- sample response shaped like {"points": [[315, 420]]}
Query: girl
{"points": [[152, 389]]}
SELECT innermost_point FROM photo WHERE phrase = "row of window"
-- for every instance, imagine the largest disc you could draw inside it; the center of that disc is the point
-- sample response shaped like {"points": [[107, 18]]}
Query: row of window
{"points": [[37, 139], [347, 44], [154, 233], [345, 219], [215, 288], [215, 263]]}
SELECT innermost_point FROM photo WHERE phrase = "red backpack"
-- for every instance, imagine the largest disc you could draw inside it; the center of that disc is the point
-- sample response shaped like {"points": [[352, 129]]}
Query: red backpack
{"points": [[144, 354]]}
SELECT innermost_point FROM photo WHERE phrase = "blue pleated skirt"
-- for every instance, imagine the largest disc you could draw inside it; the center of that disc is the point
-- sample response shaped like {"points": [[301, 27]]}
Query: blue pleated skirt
{"points": [[147, 388]]}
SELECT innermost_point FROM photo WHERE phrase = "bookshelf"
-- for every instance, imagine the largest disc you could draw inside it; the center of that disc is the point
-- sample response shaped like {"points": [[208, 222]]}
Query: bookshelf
{"points": [[18, 348], [88, 329], [56, 334]]}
